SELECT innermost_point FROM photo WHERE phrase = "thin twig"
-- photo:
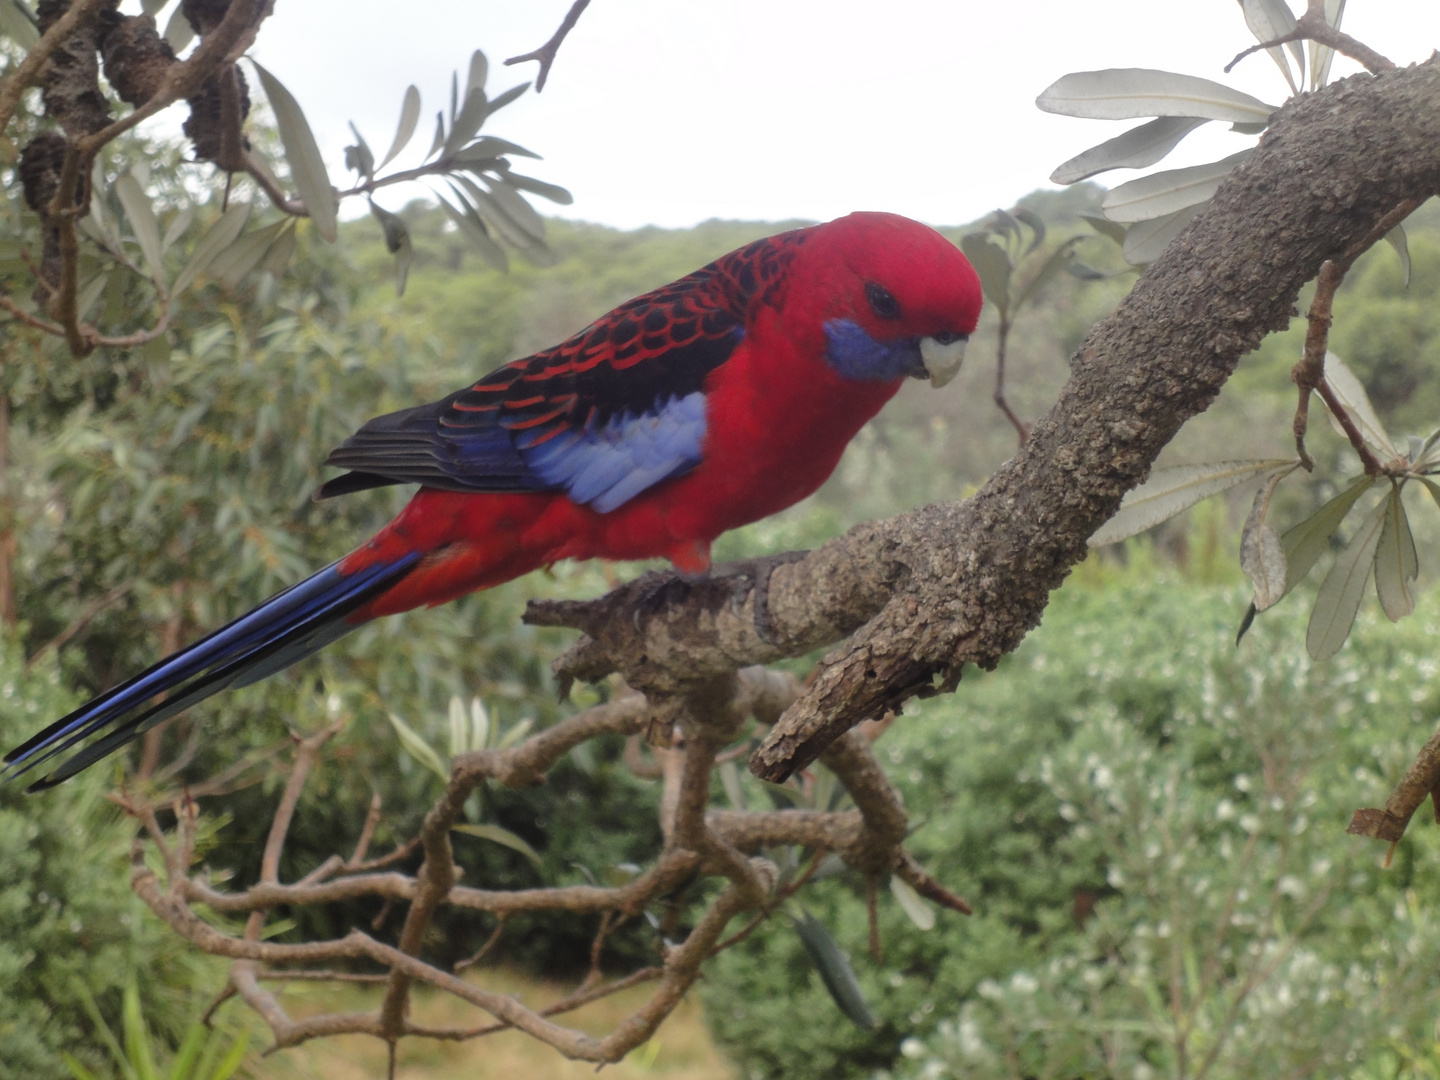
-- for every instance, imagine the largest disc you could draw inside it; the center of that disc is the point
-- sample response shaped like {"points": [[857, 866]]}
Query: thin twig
{"points": [[1312, 27], [546, 53]]}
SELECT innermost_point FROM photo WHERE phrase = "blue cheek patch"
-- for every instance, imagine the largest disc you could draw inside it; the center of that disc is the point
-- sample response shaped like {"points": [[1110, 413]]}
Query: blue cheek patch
{"points": [[854, 354], [607, 465]]}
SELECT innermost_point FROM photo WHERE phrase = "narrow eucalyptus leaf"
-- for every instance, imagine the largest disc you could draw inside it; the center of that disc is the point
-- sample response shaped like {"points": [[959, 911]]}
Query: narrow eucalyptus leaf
{"points": [[479, 725], [176, 229], [1060, 259], [178, 31], [142, 219], [488, 147], [1322, 55], [278, 257], [1177, 488], [1351, 394], [90, 292], [1037, 227], [1084, 272], [358, 157], [1168, 192], [1433, 488], [1397, 563], [491, 211], [418, 748], [1125, 93], [1248, 129], [1344, 587], [993, 266], [553, 192], [467, 123], [496, 835], [1145, 241], [1304, 543], [409, 118], [1245, 624], [1271, 19], [1005, 224], [479, 73], [216, 239], [1137, 148], [1261, 556], [1396, 239], [515, 732], [517, 209], [915, 906], [1105, 227], [18, 26], [501, 100], [459, 736], [307, 167], [489, 250], [730, 781], [835, 971], [439, 140], [230, 266]]}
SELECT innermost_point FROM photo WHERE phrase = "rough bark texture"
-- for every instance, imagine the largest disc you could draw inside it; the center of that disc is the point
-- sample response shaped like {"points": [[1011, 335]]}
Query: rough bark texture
{"points": [[962, 583]]}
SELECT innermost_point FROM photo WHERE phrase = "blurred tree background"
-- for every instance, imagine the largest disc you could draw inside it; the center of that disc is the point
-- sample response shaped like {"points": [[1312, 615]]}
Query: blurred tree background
{"points": [[1148, 821]]}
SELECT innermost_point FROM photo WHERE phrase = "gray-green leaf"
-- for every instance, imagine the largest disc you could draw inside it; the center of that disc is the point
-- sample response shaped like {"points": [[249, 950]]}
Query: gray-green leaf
{"points": [[1125, 93], [178, 31], [993, 266], [1168, 192], [418, 748], [1137, 148], [230, 266], [1339, 598], [1397, 564], [912, 903], [1145, 241], [553, 192], [1322, 55], [142, 220], [1261, 556], [479, 239], [397, 242], [1177, 488], [1351, 394], [1304, 543], [730, 781], [17, 25], [1396, 239], [409, 118], [496, 835], [1271, 19], [835, 971], [216, 239], [307, 167]]}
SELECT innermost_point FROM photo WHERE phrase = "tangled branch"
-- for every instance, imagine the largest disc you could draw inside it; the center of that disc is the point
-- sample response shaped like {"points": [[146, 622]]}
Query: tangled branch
{"points": [[699, 843]]}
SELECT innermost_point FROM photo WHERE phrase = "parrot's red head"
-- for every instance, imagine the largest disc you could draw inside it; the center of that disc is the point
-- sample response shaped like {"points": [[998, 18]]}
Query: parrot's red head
{"points": [[894, 297]]}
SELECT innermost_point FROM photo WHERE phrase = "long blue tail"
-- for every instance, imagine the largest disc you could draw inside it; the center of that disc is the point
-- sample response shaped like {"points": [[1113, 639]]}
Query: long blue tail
{"points": [[288, 627]]}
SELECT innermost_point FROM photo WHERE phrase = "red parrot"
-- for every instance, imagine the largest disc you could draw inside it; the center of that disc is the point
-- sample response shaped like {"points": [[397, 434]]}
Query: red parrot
{"points": [[707, 404]]}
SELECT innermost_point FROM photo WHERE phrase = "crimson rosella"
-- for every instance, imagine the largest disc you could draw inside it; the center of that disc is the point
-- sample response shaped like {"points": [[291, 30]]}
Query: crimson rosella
{"points": [[707, 404]]}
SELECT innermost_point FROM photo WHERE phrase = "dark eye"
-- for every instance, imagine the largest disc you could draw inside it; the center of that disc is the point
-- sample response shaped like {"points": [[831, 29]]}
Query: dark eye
{"points": [[949, 337], [882, 302]]}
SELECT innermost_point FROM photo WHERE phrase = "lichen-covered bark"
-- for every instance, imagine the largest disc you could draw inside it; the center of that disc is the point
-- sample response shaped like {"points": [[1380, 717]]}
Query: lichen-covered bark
{"points": [[962, 583]]}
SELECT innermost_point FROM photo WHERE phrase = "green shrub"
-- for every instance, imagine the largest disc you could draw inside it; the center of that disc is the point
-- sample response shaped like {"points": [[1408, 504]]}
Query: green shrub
{"points": [[67, 917], [1150, 824]]}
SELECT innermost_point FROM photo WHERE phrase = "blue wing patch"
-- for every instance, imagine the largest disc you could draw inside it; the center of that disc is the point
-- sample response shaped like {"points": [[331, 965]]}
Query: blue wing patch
{"points": [[607, 464]]}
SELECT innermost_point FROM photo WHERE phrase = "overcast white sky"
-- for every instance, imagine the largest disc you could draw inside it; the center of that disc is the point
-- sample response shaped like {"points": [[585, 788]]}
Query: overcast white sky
{"points": [[669, 112]]}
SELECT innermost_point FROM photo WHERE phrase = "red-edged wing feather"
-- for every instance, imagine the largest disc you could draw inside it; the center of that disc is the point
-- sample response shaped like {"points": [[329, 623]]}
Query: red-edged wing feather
{"points": [[590, 391]]}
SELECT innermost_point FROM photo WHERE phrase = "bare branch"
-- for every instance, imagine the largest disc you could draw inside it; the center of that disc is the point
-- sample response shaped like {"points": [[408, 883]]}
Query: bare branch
{"points": [[546, 53]]}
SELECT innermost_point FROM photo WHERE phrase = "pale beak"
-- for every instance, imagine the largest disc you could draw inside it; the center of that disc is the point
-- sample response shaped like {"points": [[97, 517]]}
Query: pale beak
{"points": [[942, 362]]}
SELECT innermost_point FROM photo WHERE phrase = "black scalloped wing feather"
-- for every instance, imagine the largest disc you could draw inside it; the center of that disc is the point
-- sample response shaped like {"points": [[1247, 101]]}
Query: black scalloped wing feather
{"points": [[656, 349]]}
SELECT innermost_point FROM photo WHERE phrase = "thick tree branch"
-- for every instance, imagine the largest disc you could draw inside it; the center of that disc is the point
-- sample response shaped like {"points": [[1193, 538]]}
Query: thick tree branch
{"points": [[962, 583]]}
